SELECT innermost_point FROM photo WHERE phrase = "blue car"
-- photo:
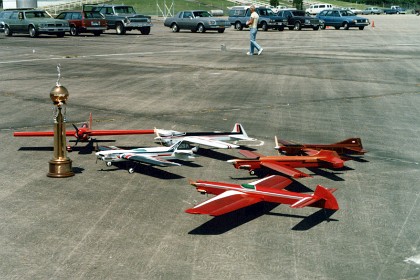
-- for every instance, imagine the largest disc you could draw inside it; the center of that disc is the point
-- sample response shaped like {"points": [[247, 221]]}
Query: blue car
{"points": [[342, 18]]}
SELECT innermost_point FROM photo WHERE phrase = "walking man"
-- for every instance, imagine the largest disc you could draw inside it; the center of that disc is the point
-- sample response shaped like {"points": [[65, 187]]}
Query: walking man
{"points": [[253, 28]]}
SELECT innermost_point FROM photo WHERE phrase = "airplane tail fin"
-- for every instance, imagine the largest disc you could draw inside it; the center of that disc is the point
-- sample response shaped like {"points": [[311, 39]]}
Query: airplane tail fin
{"points": [[332, 158], [322, 198], [355, 146], [238, 128]]}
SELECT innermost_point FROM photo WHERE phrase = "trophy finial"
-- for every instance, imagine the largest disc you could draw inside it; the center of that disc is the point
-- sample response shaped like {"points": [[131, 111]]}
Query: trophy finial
{"points": [[58, 74]]}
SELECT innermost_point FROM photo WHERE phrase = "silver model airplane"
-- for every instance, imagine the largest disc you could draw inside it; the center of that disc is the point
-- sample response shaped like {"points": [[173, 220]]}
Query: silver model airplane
{"points": [[215, 139], [159, 156]]}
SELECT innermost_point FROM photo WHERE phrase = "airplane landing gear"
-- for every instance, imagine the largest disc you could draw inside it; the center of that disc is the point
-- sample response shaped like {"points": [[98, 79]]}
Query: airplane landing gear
{"points": [[108, 163]]}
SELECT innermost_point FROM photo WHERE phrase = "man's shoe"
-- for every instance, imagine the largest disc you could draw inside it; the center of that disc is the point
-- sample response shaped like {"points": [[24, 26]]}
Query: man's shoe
{"points": [[248, 53], [260, 51]]}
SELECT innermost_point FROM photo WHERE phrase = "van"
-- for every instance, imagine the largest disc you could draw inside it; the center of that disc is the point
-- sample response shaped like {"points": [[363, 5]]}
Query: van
{"points": [[316, 8]]}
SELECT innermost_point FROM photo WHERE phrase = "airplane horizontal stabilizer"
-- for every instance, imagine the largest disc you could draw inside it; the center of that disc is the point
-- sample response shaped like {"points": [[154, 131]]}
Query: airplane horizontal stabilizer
{"points": [[223, 203], [210, 142], [331, 157], [322, 198]]}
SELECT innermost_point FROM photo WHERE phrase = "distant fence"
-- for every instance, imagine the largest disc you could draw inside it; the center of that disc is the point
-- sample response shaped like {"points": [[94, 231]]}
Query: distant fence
{"points": [[70, 5]]}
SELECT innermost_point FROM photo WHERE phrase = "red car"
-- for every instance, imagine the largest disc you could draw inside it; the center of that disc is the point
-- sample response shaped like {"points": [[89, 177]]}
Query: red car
{"points": [[84, 22]]}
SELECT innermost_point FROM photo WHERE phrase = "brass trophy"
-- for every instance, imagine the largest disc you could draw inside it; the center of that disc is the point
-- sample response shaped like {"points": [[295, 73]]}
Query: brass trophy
{"points": [[60, 165]]}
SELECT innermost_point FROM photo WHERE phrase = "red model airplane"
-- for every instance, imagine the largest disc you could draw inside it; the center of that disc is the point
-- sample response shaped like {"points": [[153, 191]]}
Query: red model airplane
{"points": [[84, 133], [351, 146], [231, 197], [287, 164]]}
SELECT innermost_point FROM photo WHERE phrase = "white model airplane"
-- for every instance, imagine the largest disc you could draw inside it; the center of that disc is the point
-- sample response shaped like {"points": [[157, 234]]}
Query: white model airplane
{"points": [[159, 156], [215, 139]]}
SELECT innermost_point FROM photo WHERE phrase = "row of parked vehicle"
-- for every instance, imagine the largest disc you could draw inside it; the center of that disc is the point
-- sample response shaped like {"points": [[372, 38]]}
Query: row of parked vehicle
{"points": [[98, 18]]}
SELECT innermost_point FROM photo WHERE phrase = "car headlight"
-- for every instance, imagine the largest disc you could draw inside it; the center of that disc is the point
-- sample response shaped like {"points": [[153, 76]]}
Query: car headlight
{"points": [[272, 21], [307, 21], [42, 25]]}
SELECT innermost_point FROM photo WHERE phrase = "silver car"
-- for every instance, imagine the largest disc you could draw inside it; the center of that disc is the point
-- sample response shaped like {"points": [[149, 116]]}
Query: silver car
{"points": [[196, 21]]}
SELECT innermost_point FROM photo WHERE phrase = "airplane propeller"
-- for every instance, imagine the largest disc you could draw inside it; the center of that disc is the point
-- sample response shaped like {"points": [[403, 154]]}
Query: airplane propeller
{"points": [[77, 133]]}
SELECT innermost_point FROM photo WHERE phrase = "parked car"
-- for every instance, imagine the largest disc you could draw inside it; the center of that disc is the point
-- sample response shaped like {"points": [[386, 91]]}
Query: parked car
{"points": [[84, 22], [297, 19], [34, 23], [238, 16], [394, 10], [417, 12], [4, 15], [196, 21], [342, 18], [122, 18], [315, 9], [355, 10], [371, 11]]}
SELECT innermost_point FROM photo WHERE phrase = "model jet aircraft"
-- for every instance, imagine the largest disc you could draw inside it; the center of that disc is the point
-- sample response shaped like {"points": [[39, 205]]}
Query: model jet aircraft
{"points": [[159, 156], [287, 164], [83, 133], [231, 197], [215, 139], [351, 146]]}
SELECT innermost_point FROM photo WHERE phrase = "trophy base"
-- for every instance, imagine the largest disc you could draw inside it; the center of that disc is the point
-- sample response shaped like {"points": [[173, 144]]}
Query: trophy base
{"points": [[60, 168]]}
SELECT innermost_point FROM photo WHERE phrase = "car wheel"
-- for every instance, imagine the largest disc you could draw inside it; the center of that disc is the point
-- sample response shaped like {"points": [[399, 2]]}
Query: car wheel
{"points": [[221, 30], [315, 27], [264, 26], [174, 27], [200, 28], [290, 27], [120, 29], [361, 27], [346, 25], [73, 31], [32, 32], [97, 33], [281, 28], [145, 30], [323, 26], [7, 31], [238, 26], [297, 26], [337, 27]]}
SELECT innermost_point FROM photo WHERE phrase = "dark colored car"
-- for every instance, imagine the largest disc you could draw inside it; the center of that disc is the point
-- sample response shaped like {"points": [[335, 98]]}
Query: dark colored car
{"points": [[84, 22], [342, 18], [196, 21], [297, 19], [34, 23], [122, 18], [238, 16]]}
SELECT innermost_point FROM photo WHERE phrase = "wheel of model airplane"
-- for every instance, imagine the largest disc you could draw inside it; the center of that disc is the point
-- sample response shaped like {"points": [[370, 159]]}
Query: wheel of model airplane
{"points": [[131, 170], [108, 163]]}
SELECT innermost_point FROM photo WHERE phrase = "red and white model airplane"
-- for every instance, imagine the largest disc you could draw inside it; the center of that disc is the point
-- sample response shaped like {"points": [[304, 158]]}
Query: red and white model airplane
{"points": [[231, 197], [287, 164], [215, 139], [83, 133], [351, 146]]}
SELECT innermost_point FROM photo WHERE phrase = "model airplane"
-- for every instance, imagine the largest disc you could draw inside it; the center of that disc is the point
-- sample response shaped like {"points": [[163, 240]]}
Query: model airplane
{"points": [[83, 133], [351, 146], [214, 139], [159, 156], [287, 164], [231, 197]]}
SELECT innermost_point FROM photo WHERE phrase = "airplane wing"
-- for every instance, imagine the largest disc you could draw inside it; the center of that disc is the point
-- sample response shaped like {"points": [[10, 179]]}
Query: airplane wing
{"points": [[273, 181], [118, 132], [292, 172], [151, 160], [40, 133], [223, 203], [250, 154], [310, 152], [210, 142]]}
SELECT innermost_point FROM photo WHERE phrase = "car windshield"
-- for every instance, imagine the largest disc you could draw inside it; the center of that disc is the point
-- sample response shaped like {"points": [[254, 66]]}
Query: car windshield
{"points": [[298, 13], [125, 10], [93, 15], [347, 14], [36, 14], [202, 14]]}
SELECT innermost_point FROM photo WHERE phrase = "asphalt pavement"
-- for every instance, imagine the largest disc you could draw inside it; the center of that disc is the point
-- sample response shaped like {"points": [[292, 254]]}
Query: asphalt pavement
{"points": [[307, 86]]}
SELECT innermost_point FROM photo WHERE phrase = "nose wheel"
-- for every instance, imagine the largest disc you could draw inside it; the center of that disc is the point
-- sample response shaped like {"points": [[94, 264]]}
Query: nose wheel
{"points": [[108, 163]]}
